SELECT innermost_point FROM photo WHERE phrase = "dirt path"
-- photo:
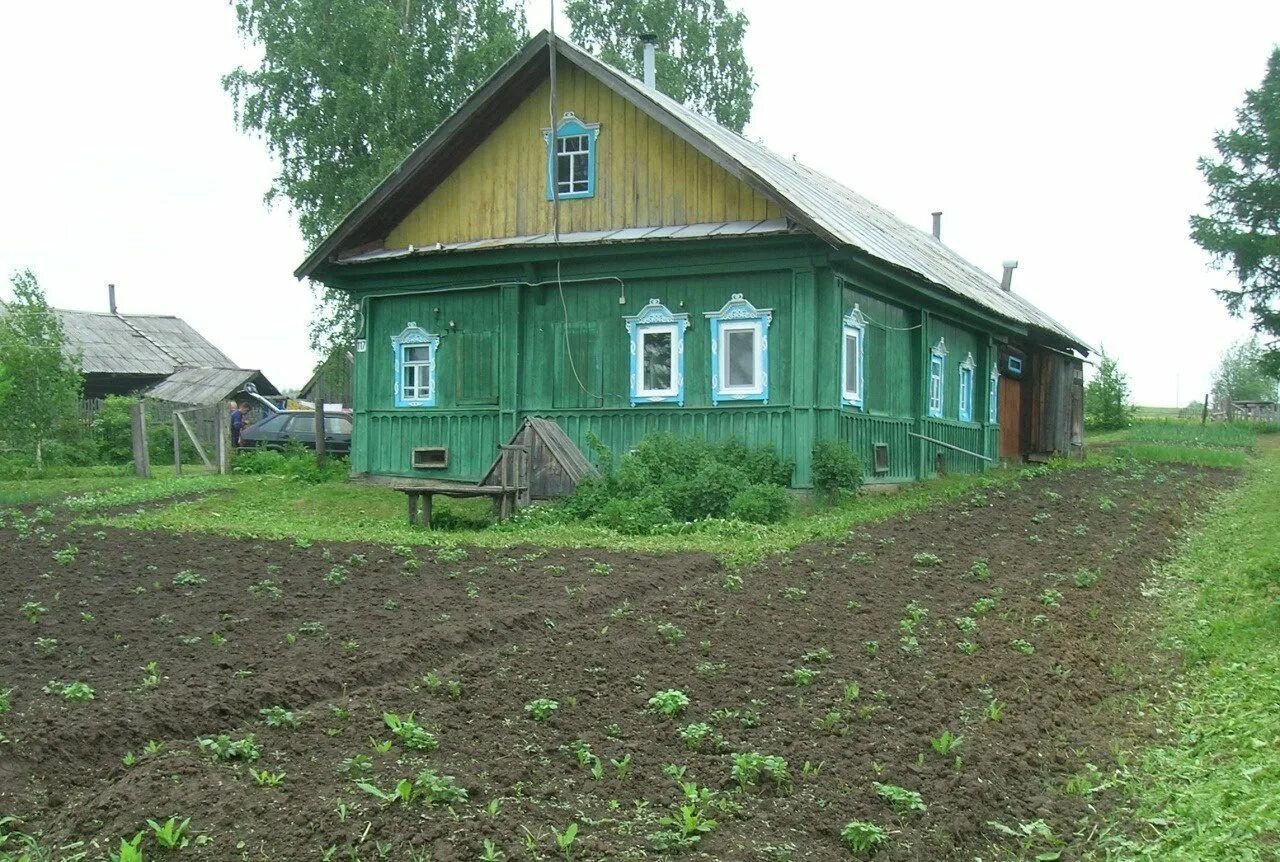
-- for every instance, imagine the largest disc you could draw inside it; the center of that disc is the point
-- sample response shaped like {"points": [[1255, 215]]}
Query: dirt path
{"points": [[345, 633]]}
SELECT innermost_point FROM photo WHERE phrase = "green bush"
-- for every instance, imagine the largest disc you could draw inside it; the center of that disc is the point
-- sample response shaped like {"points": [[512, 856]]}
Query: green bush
{"points": [[835, 468], [295, 462], [761, 504], [667, 479]]}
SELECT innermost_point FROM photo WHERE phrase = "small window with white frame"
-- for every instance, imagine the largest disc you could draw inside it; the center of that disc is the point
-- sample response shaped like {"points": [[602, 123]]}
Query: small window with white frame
{"points": [[853, 357], [937, 377], [993, 395], [414, 350], [740, 351], [571, 158], [657, 354], [966, 389]]}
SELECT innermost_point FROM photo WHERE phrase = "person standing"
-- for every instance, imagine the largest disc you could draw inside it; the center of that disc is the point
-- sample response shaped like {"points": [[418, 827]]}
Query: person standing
{"points": [[237, 423]]}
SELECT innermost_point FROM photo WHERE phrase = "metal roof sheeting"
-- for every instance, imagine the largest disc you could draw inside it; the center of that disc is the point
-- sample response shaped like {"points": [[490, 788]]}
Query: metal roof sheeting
{"points": [[140, 344], [837, 212], [591, 237], [207, 385]]}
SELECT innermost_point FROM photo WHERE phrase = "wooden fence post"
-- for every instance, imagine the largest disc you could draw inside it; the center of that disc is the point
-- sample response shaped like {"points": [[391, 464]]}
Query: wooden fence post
{"points": [[177, 445], [1204, 416], [141, 456], [222, 438], [318, 395]]}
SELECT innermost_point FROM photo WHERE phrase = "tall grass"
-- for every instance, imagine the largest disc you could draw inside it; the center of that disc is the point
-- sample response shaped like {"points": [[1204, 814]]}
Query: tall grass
{"points": [[1237, 435], [1214, 786]]}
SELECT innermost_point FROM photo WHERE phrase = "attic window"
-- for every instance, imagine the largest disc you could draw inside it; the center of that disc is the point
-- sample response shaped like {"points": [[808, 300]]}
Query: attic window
{"points": [[571, 160]]}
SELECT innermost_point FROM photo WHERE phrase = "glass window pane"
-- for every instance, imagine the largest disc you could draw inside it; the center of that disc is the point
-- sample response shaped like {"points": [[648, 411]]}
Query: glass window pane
{"points": [[656, 369], [740, 344], [851, 363], [580, 169], [417, 354], [563, 169]]}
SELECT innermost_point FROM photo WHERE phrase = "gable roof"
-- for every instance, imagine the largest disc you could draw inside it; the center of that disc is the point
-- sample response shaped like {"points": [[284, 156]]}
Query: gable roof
{"points": [[136, 344], [828, 209]]}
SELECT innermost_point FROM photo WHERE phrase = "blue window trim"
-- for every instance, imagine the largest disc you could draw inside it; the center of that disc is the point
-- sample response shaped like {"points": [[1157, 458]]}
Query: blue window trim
{"points": [[414, 336], [855, 323], [966, 389], [938, 377], [993, 395], [738, 313], [655, 317], [571, 126]]}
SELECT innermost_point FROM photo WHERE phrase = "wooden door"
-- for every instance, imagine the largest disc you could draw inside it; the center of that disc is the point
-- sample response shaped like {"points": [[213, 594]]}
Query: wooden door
{"points": [[1010, 418]]}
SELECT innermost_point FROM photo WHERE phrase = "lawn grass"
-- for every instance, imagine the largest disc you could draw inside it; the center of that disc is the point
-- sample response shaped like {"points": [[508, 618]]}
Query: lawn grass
{"points": [[1213, 793], [272, 508], [1168, 453], [98, 488], [1238, 435]]}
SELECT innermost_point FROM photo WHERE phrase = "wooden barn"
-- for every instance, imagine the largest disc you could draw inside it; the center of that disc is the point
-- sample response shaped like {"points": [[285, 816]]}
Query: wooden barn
{"points": [[634, 267]]}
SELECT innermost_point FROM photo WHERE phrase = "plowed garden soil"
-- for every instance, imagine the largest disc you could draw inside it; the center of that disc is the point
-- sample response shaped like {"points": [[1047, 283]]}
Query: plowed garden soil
{"points": [[768, 656]]}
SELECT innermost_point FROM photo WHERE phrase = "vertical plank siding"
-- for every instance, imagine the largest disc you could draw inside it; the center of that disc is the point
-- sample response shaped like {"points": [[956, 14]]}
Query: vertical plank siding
{"points": [[645, 177], [562, 353]]}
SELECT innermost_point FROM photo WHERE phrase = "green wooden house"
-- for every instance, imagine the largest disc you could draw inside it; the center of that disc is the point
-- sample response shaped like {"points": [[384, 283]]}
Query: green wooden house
{"points": [[621, 265]]}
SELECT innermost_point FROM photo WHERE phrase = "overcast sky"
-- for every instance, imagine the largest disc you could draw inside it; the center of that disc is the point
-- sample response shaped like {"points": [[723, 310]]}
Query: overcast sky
{"points": [[1063, 136]]}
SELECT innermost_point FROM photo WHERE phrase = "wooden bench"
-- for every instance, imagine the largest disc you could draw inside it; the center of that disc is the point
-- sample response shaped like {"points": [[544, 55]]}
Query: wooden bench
{"points": [[512, 490], [504, 499]]}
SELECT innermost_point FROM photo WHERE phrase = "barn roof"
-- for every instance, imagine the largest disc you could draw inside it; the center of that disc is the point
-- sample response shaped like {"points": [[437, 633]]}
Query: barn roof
{"points": [[813, 200], [136, 344]]}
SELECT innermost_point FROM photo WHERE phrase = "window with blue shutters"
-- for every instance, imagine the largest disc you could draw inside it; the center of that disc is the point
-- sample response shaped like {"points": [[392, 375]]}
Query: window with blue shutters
{"points": [[740, 351], [966, 389], [657, 354], [571, 158], [853, 355], [414, 350], [937, 369]]}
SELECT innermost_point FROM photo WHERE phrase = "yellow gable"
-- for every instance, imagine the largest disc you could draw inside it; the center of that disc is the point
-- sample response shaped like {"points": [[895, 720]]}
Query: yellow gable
{"points": [[646, 176]]}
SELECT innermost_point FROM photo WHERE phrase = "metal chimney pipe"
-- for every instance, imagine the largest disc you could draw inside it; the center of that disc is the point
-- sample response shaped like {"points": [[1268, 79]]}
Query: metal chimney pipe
{"points": [[937, 225], [650, 41], [111, 297], [1006, 283]]}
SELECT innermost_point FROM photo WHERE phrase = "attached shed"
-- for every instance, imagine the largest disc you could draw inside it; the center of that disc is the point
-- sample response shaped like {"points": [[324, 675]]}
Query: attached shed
{"points": [[556, 464], [200, 386]]}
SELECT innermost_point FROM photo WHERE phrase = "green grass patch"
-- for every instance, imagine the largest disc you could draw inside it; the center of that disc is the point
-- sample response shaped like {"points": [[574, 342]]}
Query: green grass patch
{"points": [[1175, 432], [1213, 793], [274, 508], [1200, 456]]}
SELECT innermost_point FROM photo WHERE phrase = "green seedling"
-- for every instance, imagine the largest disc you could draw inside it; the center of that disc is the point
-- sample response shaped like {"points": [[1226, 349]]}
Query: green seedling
{"points": [[672, 634], [945, 742], [821, 655], [862, 837], [46, 646], [412, 735], [278, 716], [601, 569], [899, 798], [33, 611], [223, 747], [926, 560], [491, 853], [337, 575], [803, 676], [451, 555], [130, 851], [622, 767], [752, 768], [437, 789], [967, 647], [669, 703], [1085, 578], [980, 571], [692, 735], [150, 674], [966, 624], [565, 840], [1051, 598], [871, 647], [540, 709], [171, 835], [77, 692], [265, 778], [187, 578], [1022, 646], [995, 710], [66, 556]]}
